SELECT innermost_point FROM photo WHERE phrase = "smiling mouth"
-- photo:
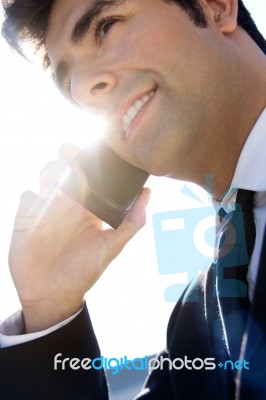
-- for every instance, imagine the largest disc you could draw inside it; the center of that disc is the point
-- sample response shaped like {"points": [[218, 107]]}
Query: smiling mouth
{"points": [[135, 109]]}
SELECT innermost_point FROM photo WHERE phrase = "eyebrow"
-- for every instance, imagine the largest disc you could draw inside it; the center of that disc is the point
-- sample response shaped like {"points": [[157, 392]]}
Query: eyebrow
{"points": [[83, 25]]}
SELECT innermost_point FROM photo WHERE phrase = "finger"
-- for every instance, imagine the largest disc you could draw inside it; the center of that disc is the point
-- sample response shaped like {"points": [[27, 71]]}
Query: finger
{"points": [[52, 176], [34, 211], [134, 221], [29, 203], [68, 154], [30, 210]]}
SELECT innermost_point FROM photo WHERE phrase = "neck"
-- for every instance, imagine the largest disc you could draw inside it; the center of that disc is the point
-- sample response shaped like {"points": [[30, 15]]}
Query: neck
{"points": [[242, 104]]}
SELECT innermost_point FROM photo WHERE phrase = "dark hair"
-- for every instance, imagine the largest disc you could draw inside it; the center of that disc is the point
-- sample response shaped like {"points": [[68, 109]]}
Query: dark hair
{"points": [[244, 19], [26, 20]]}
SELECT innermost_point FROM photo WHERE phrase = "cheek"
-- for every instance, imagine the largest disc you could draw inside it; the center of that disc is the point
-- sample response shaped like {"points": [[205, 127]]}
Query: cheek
{"points": [[144, 46]]}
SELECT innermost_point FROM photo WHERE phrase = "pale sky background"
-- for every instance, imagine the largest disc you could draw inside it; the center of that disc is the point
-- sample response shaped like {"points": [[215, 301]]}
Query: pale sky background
{"points": [[127, 305]]}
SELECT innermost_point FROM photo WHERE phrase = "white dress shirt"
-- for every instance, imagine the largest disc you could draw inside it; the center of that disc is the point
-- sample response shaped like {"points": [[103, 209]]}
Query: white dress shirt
{"points": [[249, 174]]}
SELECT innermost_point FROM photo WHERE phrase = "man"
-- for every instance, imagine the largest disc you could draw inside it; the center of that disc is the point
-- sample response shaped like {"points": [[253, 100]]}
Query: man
{"points": [[183, 84]]}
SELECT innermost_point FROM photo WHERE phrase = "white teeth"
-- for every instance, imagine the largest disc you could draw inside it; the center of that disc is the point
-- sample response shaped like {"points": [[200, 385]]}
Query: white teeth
{"points": [[133, 110], [127, 119], [139, 104]]}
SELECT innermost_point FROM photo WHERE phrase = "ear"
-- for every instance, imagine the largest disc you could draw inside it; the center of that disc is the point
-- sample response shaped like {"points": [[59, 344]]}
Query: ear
{"points": [[223, 14]]}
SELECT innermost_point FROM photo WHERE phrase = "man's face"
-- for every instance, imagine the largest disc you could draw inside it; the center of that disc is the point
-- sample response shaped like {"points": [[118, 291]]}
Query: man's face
{"points": [[150, 70]]}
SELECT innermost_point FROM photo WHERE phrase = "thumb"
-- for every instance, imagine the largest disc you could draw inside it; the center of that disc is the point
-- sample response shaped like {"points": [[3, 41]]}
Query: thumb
{"points": [[134, 220]]}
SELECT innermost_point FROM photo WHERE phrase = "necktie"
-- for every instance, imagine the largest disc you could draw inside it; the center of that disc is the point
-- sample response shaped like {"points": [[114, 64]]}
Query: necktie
{"points": [[235, 244]]}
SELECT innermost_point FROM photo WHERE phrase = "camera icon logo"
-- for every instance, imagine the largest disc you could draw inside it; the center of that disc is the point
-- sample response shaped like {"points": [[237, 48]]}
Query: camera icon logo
{"points": [[185, 242]]}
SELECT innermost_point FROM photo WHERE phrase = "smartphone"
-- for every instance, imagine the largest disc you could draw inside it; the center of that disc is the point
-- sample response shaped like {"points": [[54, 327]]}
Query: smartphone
{"points": [[104, 183]]}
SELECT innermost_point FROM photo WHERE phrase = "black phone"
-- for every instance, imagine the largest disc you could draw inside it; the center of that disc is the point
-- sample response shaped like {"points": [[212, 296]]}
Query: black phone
{"points": [[104, 183]]}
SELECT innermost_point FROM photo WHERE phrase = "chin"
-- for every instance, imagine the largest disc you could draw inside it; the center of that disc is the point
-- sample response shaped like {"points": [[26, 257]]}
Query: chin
{"points": [[157, 169]]}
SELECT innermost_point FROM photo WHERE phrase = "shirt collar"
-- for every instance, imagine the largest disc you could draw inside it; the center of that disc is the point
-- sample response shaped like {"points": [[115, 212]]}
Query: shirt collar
{"points": [[250, 169], [249, 173]]}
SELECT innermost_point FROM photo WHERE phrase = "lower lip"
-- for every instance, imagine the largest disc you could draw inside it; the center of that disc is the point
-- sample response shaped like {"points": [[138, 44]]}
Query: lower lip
{"points": [[137, 119]]}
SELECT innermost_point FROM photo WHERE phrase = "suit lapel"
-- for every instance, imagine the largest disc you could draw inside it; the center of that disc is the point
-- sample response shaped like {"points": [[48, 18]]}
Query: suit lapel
{"points": [[252, 382]]}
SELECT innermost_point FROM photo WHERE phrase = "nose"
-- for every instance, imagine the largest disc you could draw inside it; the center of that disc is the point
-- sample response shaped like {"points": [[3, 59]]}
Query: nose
{"points": [[91, 88]]}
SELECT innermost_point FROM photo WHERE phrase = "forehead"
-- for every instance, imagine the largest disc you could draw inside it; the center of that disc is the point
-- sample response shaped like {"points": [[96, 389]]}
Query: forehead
{"points": [[61, 21]]}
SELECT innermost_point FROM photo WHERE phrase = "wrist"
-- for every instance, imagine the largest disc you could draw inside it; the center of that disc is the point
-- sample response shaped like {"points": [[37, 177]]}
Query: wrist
{"points": [[46, 314]]}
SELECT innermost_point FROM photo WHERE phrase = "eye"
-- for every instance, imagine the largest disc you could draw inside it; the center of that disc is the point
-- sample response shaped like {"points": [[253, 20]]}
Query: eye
{"points": [[104, 25]]}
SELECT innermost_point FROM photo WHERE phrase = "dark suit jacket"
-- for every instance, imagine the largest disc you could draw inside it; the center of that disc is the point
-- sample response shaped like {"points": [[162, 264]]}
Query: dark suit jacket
{"points": [[197, 329]]}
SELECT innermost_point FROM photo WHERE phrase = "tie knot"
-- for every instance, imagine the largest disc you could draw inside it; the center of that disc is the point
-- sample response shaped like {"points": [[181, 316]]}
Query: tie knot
{"points": [[244, 198], [236, 230]]}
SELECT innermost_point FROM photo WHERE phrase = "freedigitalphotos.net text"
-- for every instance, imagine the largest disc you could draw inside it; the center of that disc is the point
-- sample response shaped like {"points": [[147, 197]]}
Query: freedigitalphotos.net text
{"points": [[149, 364]]}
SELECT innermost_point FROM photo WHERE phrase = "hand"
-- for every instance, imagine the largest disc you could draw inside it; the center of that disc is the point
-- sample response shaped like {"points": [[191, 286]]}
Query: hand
{"points": [[59, 250]]}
